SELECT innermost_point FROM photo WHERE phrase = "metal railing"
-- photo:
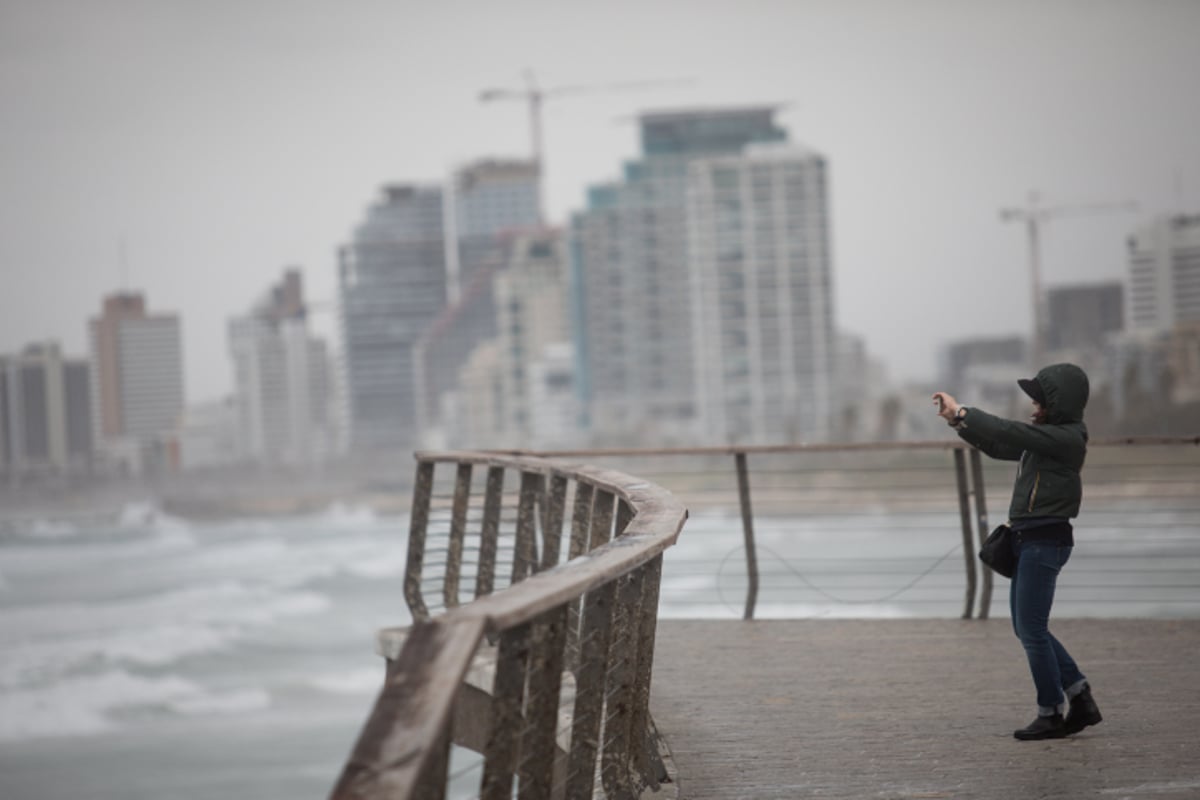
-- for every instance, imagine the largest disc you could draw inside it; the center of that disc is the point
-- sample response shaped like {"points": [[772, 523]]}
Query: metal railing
{"points": [[541, 664], [877, 528]]}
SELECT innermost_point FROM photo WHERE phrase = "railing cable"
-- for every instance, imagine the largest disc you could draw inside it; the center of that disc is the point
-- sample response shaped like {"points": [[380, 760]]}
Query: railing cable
{"points": [[828, 595]]}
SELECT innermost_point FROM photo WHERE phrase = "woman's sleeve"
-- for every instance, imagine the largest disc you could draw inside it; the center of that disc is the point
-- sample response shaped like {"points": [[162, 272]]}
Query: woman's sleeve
{"points": [[1008, 435], [989, 447]]}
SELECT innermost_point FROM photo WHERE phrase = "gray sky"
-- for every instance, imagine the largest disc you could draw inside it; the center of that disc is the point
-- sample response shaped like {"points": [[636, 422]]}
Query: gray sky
{"points": [[223, 141]]}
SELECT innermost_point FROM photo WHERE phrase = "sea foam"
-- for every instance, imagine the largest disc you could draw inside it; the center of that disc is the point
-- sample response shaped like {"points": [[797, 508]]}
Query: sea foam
{"points": [[356, 681], [78, 706], [156, 630], [84, 705]]}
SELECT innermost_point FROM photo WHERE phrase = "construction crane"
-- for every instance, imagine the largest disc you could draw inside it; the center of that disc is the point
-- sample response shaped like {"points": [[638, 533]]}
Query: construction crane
{"points": [[1034, 216], [535, 96]]}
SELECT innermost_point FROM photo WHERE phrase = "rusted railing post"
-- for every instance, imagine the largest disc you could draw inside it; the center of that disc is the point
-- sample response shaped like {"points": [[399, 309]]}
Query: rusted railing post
{"points": [[581, 520], [458, 529], [508, 699], [602, 519], [964, 509], [743, 479], [552, 520], [581, 526], [525, 551], [594, 636], [535, 771], [982, 529], [616, 759], [422, 494], [485, 579], [645, 750]]}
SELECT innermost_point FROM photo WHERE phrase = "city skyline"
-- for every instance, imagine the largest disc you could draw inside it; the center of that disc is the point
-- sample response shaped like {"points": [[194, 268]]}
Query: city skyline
{"points": [[217, 147]]}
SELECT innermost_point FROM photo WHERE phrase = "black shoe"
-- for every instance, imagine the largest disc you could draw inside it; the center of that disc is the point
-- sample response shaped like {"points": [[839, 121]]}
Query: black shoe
{"points": [[1051, 727], [1083, 712]]}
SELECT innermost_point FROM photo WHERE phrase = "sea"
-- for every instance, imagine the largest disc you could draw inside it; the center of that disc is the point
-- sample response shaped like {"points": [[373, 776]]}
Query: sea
{"points": [[148, 657], [145, 656]]}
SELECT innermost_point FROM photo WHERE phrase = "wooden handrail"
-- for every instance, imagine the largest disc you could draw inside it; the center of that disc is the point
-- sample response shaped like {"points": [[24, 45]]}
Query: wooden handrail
{"points": [[604, 596]]}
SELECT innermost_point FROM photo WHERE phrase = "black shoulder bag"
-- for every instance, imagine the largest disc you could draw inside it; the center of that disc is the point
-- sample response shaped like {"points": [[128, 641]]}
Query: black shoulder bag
{"points": [[997, 551]]}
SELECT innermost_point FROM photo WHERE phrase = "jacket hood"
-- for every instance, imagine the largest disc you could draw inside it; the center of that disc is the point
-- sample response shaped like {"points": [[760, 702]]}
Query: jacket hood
{"points": [[1066, 389]]}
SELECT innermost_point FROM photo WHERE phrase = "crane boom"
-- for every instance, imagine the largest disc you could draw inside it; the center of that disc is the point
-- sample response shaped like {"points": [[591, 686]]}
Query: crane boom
{"points": [[535, 96], [1034, 216]]}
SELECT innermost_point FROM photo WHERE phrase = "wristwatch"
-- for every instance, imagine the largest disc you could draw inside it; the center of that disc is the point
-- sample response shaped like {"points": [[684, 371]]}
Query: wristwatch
{"points": [[959, 416]]}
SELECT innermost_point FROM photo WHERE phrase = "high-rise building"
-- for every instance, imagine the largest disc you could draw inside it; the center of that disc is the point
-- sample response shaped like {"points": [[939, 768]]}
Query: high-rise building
{"points": [[630, 282], [445, 347], [983, 371], [137, 372], [961, 355], [1164, 274], [45, 412], [1080, 317], [492, 196], [489, 204], [1183, 361], [479, 406], [520, 371], [764, 343], [531, 313], [392, 279], [210, 435], [282, 380]]}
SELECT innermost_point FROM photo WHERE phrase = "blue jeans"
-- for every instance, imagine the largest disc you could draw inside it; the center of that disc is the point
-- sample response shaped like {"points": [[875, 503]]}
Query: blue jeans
{"points": [[1030, 598]]}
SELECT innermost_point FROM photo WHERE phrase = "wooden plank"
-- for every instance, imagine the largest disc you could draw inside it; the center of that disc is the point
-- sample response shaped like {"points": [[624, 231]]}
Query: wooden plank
{"points": [[405, 734]]}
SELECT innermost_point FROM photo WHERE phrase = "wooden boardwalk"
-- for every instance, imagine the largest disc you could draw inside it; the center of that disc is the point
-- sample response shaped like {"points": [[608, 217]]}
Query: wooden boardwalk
{"points": [[903, 709]]}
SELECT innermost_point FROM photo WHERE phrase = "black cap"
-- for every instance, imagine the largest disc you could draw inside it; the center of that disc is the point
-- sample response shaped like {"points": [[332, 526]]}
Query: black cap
{"points": [[1032, 388]]}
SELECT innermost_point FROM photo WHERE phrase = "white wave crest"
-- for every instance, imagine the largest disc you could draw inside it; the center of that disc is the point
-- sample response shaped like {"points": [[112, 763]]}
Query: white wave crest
{"points": [[358, 681], [154, 631], [236, 702], [78, 706], [82, 706], [389, 565], [340, 515], [147, 516], [51, 529]]}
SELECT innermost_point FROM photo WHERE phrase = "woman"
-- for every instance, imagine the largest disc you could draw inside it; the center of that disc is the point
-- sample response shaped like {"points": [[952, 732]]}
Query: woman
{"points": [[1046, 496]]}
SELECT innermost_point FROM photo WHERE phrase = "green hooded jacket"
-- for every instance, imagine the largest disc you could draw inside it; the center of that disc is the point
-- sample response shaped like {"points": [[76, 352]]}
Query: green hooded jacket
{"points": [[1051, 454]]}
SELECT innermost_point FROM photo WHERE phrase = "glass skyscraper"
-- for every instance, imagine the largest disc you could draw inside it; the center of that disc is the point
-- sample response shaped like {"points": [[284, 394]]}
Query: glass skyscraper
{"points": [[631, 277], [761, 296], [392, 280]]}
